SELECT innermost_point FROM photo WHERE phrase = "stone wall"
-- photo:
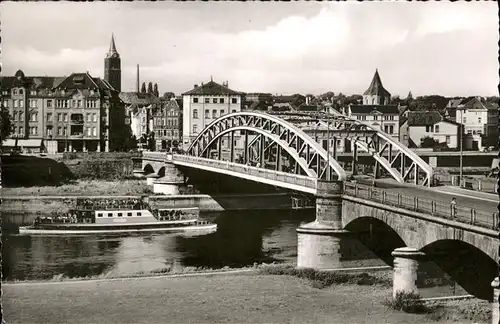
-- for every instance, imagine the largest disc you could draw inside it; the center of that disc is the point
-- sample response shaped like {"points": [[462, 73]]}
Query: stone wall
{"points": [[22, 210]]}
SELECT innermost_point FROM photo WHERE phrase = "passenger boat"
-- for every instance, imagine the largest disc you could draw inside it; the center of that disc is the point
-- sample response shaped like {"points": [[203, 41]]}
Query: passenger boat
{"points": [[107, 217]]}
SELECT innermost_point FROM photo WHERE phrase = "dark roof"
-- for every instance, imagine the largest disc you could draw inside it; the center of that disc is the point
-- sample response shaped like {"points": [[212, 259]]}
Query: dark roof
{"points": [[305, 107], [138, 98], [376, 88], [172, 104], [212, 88], [76, 81], [367, 109], [80, 81], [257, 105], [423, 118]]}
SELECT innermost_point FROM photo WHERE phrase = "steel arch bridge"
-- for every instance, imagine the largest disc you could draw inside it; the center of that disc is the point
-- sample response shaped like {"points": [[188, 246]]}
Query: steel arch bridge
{"points": [[288, 142]]}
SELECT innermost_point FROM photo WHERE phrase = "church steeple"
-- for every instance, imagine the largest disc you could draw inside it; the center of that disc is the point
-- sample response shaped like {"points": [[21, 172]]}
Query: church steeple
{"points": [[376, 93], [112, 66], [112, 48]]}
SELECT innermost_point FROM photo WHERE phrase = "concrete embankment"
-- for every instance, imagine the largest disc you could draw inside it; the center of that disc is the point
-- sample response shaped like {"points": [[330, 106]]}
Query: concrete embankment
{"points": [[22, 210]]}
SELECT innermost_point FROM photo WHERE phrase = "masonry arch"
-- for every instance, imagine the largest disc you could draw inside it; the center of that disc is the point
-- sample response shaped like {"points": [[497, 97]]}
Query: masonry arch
{"points": [[377, 236], [148, 169], [467, 265]]}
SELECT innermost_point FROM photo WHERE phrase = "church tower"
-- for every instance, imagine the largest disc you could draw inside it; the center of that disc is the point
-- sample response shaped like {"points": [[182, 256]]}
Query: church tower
{"points": [[112, 67], [376, 93]]}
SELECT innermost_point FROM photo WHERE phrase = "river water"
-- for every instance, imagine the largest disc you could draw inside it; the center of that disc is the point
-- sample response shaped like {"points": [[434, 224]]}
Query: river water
{"points": [[242, 239]]}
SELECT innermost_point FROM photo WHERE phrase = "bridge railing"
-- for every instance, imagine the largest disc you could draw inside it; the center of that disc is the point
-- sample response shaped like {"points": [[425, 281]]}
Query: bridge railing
{"points": [[458, 213], [294, 179], [154, 155]]}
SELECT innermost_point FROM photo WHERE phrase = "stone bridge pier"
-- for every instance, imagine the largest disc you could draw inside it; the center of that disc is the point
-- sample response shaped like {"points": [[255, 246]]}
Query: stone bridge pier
{"points": [[319, 241], [169, 180]]}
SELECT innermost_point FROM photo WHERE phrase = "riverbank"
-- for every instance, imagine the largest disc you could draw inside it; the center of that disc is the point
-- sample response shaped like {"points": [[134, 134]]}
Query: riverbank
{"points": [[84, 188], [248, 297]]}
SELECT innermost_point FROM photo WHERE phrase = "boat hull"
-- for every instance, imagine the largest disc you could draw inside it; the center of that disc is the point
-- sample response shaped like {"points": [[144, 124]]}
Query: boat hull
{"points": [[80, 230]]}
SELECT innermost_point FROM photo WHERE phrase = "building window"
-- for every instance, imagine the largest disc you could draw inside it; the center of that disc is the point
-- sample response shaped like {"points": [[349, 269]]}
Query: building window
{"points": [[405, 137], [221, 100], [479, 120], [375, 117], [448, 140], [195, 113], [195, 100], [59, 131], [428, 129], [207, 100], [49, 117], [59, 117], [14, 92], [34, 116], [214, 100], [94, 117], [21, 103], [469, 131], [195, 129], [15, 116], [49, 131], [234, 110], [214, 113], [436, 129], [221, 112], [64, 131], [21, 116], [464, 120], [89, 118], [65, 117], [207, 113], [21, 91], [94, 131], [15, 103], [89, 131], [79, 103], [21, 130], [234, 100]]}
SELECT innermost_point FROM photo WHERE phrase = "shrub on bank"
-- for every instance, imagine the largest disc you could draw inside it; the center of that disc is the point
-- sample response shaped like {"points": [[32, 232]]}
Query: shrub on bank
{"points": [[408, 303], [322, 279]]}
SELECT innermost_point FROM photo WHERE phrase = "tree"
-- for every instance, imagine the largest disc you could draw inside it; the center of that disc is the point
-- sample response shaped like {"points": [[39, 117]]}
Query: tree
{"points": [[155, 90], [6, 126], [143, 88], [428, 142], [168, 95], [150, 87]]}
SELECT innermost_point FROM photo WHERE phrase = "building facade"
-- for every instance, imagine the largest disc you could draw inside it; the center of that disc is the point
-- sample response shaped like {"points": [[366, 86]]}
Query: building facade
{"points": [[384, 118], [421, 124], [203, 104], [167, 124], [74, 113]]}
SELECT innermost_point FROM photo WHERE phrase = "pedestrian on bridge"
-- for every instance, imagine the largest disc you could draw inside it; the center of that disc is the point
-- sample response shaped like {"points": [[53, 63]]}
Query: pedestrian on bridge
{"points": [[453, 206]]}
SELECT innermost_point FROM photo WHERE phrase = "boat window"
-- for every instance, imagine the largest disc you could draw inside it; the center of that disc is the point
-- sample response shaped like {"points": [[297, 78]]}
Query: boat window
{"points": [[139, 213], [129, 214], [110, 214], [119, 214], [99, 215]]}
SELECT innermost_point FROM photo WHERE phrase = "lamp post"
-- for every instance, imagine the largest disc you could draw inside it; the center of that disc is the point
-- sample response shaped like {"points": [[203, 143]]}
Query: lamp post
{"points": [[461, 145], [328, 143]]}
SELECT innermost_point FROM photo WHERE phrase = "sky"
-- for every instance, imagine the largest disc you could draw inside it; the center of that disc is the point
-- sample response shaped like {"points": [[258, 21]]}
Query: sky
{"points": [[442, 48]]}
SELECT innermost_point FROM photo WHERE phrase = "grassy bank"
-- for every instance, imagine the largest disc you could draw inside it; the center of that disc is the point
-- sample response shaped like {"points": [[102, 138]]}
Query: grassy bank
{"points": [[271, 294], [84, 187]]}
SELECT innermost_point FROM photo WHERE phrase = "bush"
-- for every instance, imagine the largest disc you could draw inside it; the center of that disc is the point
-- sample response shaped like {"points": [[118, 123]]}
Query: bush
{"points": [[322, 279], [408, 302]]}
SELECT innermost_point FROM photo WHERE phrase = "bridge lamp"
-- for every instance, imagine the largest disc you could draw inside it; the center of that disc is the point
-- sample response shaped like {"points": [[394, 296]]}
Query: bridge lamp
{"points": [[462, 126]]}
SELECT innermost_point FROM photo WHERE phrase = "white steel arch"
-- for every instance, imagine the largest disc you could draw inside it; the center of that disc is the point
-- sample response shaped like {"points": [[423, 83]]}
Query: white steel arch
{"points": [[308, 154]]}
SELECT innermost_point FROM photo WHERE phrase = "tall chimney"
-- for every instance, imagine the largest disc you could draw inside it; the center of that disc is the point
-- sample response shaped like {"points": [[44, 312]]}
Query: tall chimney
{"points": [[137, 81]]}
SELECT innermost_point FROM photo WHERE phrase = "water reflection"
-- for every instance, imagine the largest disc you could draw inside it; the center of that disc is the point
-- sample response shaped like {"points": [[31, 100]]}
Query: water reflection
{"points": [[242, 238]]}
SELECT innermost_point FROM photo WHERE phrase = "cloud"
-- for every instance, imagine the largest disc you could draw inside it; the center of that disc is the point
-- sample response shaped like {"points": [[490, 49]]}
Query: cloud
{"points": [[301, 47]]}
